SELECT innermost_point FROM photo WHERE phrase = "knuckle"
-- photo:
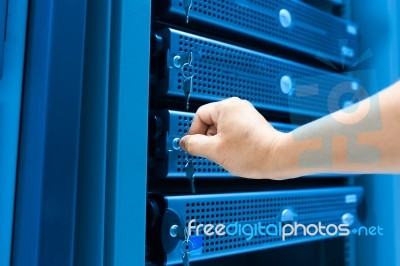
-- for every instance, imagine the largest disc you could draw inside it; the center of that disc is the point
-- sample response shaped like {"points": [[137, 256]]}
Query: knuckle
{"points": [[230, 102], [246, 102], [236, 100], [200, 109]]}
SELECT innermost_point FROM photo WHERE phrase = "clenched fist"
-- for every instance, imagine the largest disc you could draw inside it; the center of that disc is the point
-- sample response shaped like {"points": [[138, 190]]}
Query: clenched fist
{"points": [[234, 135]]}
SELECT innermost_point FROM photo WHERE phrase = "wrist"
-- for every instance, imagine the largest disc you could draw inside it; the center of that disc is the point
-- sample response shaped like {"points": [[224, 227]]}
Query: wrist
{"points": [[283, 162]]}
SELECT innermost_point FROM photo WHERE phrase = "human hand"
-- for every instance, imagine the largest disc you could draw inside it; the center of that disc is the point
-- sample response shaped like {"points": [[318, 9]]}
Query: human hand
{"points": [[235, 136]]}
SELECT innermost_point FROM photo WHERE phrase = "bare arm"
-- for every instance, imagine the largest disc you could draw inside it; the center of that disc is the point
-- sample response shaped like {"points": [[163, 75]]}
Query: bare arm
{"points": [[364, 138]]}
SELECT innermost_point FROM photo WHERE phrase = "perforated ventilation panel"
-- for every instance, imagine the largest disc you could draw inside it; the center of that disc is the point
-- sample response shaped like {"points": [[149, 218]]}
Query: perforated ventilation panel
{"points": [[218, 70], [291, 24], [311, 206], [175, 125]]}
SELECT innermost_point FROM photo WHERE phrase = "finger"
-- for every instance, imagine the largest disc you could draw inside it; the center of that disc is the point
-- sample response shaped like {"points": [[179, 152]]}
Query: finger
{"points": [[199, 145], [211, 131], [206, 116]]}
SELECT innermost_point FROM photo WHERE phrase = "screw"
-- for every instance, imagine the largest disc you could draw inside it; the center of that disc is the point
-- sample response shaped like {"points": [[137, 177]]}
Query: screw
{"points": [[175, 144], [177, 61], [173, 231]]}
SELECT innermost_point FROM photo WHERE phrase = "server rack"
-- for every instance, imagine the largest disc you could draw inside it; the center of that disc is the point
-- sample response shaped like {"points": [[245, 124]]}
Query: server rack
{"points": [[192, 64], [112, 232]]}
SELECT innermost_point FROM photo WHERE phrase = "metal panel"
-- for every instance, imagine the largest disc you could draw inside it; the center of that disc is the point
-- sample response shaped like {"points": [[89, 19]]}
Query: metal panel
{"points": [[91, 193], [48, 160], [3, 19], [214, 70], [381, 36], [309, 206], [291, 24], [127, 133], [11, 83]]}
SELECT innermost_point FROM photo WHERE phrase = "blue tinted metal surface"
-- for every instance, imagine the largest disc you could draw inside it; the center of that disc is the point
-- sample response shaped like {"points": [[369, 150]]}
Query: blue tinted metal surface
{"points": [[291, 24], [3, 14], [175, 125], [10, 107], [308, 206], [127, 133], [221, 70], [90, 205], [48, 161], [381, 35]]}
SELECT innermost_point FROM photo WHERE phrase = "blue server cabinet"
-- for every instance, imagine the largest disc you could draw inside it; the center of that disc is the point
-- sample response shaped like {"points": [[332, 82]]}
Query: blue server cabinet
{"points": [[74, 183], [189, 69]]}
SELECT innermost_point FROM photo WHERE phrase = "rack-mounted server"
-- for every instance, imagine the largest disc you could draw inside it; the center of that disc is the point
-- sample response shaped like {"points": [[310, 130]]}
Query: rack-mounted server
{"points": [[327, 207], [290, 24], [202, 69]]}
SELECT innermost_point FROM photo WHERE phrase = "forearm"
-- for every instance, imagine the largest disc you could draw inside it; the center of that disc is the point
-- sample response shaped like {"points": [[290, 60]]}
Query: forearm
{"points": [[365, 140]]}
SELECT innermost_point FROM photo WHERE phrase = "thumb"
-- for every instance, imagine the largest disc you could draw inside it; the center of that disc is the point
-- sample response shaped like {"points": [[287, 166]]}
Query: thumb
{"points": [[198, 145]]}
